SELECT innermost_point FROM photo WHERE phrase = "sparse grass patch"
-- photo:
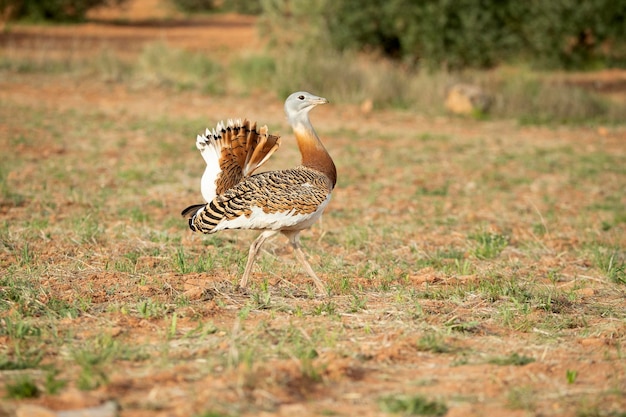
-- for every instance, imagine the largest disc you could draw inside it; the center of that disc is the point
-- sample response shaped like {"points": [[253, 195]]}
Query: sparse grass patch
{"points": [[514, 359], [22, 359], [521, 398], [88, 229], [325, 308], [212, 414], [151, 308], [349, 77], [19, 293], [204, 262], [488, 245], [93, 360], [8, 195], [163, 64], [432, 342], [458, 325], [357, 303], [611, 262], [532, 98], [22, 387], [253, 72], [416, 405], [18, 327]]}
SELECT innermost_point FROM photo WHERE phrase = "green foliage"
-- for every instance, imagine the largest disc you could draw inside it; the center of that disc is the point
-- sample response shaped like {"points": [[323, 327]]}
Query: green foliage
{"points": [[459, 34], [194, 6], [453, 34], [52, 10], [251, 7], [571, 34], [571, 376]]}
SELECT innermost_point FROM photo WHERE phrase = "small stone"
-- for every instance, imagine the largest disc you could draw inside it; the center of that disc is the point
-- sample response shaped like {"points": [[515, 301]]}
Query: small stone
{"points": [[34, 411], [108, 409], [467, 99], [585, 292], [367, 106], [592, 342], [194, 293]]}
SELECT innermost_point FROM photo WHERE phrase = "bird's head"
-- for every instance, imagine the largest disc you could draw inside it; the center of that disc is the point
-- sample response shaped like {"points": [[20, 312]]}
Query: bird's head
{"points": [[298, 105]]}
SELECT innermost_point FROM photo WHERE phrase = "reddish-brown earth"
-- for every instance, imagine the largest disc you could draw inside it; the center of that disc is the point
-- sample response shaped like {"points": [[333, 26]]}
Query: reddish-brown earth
{"points": [[376, 351]]}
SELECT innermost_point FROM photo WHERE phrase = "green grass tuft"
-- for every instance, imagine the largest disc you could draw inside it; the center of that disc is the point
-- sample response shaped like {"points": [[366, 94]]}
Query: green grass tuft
{"points": [[412, 405], [93, 360], [434, 343], [22, 387], [488, 245], [612, 263], [514, 359]]}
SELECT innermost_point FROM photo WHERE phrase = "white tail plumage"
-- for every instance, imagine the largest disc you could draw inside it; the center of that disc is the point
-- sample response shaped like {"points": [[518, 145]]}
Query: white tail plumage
{"points": [[233, 151]]}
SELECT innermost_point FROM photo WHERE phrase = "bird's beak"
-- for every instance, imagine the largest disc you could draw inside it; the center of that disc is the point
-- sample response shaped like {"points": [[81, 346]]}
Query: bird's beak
{"points": [[319, 100]]}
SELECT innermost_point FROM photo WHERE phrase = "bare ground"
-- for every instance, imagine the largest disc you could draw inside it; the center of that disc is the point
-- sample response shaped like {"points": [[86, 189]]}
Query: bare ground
{"points": [[375, 351]]}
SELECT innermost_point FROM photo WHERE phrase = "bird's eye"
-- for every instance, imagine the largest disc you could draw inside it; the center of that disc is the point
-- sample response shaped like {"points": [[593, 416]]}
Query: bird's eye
{"points": [[301, 97]]}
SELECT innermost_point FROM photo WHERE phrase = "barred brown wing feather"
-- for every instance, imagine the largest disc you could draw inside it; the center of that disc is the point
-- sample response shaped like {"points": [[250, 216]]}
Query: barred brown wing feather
{"points": [[266, 200], [233, 152]]}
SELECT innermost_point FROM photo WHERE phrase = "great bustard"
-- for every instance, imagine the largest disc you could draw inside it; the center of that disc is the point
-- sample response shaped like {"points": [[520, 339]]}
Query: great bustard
{"points": [[285, 201]]}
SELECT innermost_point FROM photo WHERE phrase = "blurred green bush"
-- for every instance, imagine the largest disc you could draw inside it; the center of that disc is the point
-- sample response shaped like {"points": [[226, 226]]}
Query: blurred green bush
{"points": [[251, 7], [51, 10], [456, 34], [194, 6]]}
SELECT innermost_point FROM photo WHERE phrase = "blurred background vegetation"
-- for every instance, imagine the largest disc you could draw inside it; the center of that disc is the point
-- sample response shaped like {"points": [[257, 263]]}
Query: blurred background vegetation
{"points": [[404, 53], [51, 10], [448, 34]]}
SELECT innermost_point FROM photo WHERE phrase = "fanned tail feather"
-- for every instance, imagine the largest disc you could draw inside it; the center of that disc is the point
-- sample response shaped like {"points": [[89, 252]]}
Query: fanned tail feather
{"points": [[260, 148], [233, 151]]}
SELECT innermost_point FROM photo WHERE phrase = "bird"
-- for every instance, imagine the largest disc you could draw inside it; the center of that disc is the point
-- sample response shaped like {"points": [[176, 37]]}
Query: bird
{"points": [[284, 201]]}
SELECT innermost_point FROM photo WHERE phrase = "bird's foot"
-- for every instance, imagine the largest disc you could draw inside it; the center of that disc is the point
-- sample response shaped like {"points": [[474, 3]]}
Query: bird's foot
{"points": [[242, 290]]}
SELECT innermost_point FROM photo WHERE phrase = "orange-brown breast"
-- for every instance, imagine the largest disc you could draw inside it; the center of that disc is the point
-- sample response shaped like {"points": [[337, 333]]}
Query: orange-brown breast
{"points": [[315, 155]]}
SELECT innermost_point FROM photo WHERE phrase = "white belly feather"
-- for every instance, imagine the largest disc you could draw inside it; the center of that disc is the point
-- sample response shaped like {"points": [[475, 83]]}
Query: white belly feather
{"points": [[286, 220]]}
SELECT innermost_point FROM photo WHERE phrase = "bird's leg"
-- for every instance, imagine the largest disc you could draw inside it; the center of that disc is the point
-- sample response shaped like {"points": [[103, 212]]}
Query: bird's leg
{"points": [[254, 251], [294, 239]]}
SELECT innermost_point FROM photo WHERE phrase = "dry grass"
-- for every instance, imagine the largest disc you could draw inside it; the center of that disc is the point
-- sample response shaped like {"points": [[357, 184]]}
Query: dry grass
{"points": [[473, 267], [527, 96]]}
